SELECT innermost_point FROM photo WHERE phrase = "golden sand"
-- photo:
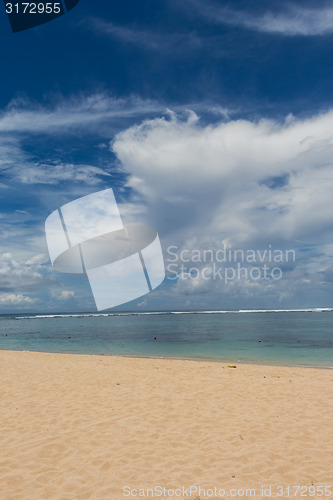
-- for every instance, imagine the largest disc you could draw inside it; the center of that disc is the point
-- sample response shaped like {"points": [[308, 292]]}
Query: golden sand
{"points": [[84, 427]]}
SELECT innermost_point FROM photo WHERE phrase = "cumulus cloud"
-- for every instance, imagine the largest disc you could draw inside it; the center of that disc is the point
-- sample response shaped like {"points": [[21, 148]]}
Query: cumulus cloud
{"points": [[31, 281], [38, 260], [20, 275], [228, 174], [66, 294], [12, 299], [192, 284], [250, 184]]}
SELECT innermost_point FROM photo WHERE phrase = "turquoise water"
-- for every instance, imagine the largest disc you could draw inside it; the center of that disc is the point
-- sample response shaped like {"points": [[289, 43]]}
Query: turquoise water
{"points": [[301, 338]]}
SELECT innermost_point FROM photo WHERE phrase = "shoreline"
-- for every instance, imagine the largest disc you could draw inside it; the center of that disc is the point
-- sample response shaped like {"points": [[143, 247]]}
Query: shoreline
{"points": [[41, 315], [172, 358]]}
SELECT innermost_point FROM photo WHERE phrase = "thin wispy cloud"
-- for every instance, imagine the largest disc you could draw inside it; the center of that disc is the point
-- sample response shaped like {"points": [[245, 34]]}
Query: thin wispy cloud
{"points": [[99, 114], [294, 20], [79, 116], [148, 39], [76, 113], [53, 173], [87, 114], [18, 166]]}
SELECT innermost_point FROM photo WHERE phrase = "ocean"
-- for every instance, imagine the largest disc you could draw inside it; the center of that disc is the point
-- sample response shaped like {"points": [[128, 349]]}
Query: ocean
{"points": [[295, 338]]}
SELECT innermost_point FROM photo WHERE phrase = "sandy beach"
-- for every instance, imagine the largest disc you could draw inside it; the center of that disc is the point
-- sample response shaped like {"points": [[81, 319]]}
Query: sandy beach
{"points": [[97, 427]]}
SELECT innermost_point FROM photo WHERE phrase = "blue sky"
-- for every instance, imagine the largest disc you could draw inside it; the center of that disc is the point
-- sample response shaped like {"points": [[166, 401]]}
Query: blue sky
{"points": [[212, 121]]}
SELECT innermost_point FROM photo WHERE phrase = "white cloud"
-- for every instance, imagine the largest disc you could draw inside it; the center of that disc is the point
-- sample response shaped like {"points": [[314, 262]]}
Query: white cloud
{"points": [[152, 40], [66, 294], [294, 20], [143, 303], [16, 164], [84, 114], [98, 113], [224, 170], [192, 284], [77, 114], [38, 260], [15, 274], [250, 183], [54, 173], [13, 299], [11, 154], [31, 281]]}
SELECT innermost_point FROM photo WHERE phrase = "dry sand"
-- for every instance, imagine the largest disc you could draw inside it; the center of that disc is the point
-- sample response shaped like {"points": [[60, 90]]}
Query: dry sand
{"points": [[82, 427]]}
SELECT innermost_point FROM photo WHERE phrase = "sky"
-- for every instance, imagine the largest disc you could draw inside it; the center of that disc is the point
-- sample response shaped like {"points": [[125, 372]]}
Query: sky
{"points": [[211, 120]]}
